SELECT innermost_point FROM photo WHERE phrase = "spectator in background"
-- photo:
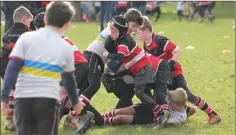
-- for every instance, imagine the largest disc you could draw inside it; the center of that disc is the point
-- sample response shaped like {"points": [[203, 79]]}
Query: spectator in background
{"points": [[157, 9], [96, 6], [106, 12], [85, 10], [200, 8], [44, 4], [140, 5], [149, 8], [121, 7], [191, 7], [210, 6], [180, 10]]}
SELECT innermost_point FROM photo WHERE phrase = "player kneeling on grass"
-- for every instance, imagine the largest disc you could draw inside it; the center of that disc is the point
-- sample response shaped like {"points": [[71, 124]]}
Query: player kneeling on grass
{"points": [[134, 60], [22, 18], [81, 75], [165, 49], [142, 114]]}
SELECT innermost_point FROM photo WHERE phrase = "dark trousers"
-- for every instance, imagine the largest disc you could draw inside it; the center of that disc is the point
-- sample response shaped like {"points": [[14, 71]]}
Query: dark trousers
{"points": [[106, 12], [162, 79], [179, 82], [96, 68], [81, 73], [38, 116]]}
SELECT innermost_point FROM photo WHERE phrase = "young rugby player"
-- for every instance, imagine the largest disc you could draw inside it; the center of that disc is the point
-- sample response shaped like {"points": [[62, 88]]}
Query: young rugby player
{"points": [[165, 49], [22, 18], [81, 74], [134, 60], [38, 67], [141, 114], [94, 56]]}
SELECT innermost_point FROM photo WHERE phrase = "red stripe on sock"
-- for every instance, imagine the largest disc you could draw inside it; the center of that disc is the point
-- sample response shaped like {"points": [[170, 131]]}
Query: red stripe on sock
{"points": [[83, 99], [155, 107], [63, 99], [11, 98], [156, 112], [68, 104], [111, 114], [165, 106], [208, 110], [197, 100], [9, 118], [201, 104]]}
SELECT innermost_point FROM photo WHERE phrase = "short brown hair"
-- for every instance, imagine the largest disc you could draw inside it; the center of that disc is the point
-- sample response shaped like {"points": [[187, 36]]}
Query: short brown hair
{"points": [[134, 15], [178, 96], [21, 12], [59, 13], [146, 24]]}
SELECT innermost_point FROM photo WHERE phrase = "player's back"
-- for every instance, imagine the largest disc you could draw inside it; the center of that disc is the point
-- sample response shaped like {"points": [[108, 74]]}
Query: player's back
{"points": [[44, 59]]}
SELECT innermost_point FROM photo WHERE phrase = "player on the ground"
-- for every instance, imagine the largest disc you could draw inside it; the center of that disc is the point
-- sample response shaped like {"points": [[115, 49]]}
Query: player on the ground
{"points": [[21, 18], [165, 49], [134, 60], [81, 75], [141, 114]]}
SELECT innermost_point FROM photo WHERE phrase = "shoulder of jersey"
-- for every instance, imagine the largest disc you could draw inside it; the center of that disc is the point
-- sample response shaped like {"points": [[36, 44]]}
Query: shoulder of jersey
{"points": [[68, 40]]}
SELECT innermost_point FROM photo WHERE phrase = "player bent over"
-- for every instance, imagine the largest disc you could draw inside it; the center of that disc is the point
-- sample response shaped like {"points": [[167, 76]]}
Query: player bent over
{"points": [[121, 87], [165, 49], [134, 60]]}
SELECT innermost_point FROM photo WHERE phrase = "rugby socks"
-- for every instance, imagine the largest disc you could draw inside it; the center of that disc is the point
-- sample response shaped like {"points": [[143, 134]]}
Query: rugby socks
{"points": [[84, 100], [165, 107], [200, 103], [108, 120], [110, 114], [156, 110], [9, 117]]}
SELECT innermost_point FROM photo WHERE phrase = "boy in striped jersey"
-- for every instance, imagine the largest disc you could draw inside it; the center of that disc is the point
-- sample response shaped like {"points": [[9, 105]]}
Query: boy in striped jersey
{"points": [[135, 61], [165, 49], [94, 56]]}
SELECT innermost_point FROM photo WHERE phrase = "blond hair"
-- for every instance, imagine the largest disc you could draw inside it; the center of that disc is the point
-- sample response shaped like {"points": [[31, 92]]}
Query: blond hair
{"points": [[178, 96], [146, 24], [21, 12]]}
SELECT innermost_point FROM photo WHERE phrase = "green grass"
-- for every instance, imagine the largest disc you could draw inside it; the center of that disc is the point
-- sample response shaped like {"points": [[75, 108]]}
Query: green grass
{"points": [[206, 69]]}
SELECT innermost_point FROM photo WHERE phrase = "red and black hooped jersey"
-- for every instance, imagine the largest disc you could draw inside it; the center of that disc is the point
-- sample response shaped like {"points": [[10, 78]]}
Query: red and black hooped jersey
{"points": [[163, 48], [78, 56], [135, 57]]}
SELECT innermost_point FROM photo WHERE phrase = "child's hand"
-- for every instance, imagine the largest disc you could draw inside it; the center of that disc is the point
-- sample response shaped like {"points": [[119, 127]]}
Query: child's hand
{"points": [[105, 54]]}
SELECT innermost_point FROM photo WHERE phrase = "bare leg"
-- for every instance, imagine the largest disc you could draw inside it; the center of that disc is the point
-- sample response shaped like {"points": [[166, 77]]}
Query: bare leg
{"points": [[125, 111], [122, 119]]}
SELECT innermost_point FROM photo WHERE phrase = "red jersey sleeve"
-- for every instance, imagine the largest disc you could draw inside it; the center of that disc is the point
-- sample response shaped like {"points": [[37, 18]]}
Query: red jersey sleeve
{"points": [[165, 44], [123, 49]]}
